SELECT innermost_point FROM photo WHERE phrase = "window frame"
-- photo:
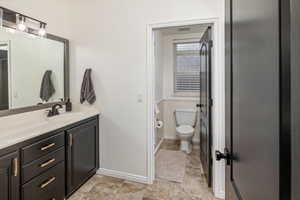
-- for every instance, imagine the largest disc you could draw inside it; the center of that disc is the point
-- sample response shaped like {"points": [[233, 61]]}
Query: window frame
{"points": [[186, 93]]}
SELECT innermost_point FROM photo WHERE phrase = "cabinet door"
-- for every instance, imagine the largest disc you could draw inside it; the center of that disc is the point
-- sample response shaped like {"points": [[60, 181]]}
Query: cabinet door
{"points": [[9, 177], [82, 154]]}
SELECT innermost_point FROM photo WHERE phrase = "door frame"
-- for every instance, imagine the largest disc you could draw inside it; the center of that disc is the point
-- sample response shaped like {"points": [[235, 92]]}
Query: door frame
{"points": [[218, 94]]}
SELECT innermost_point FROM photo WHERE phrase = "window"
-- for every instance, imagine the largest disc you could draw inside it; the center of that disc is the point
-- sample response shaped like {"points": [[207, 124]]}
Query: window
{"points": [[187, 67]]}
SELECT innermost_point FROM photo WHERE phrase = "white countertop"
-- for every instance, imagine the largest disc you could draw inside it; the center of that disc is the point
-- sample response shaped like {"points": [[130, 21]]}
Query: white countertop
{"points": [[24, 126]]}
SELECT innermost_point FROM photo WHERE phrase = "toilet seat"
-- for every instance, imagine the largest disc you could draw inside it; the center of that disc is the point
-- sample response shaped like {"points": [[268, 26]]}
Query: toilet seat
{"points": [[185, 130]]}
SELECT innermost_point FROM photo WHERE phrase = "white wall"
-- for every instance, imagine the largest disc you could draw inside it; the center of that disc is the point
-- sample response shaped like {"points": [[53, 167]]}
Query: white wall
{"points": [[159, 55], [158, 51], [110, 37]]}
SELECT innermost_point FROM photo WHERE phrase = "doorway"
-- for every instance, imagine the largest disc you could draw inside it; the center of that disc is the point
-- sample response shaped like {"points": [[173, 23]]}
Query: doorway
{"points": [[217, 171]]}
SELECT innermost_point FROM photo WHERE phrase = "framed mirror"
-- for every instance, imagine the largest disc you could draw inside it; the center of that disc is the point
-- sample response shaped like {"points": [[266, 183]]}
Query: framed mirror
{"points": [[34, 71]]}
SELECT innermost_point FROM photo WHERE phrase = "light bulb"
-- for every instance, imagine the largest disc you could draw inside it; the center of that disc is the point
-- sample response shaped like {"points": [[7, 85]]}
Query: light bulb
{"points": [[42, 31], [21, 25]]}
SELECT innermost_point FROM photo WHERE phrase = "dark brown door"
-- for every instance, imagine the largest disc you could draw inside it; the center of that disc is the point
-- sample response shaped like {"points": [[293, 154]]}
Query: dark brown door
{"points": [[82, 154], [295, 97], [253, 100], [9, 177], [205, 104]]}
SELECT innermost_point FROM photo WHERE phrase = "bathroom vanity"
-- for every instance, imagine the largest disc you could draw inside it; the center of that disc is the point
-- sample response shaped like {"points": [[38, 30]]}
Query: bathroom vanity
{"points": [[44, 155], [50, 159]]}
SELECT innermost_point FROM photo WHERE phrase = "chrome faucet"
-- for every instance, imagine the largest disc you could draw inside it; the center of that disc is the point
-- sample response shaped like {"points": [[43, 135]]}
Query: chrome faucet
{"points": [[54, 110]]}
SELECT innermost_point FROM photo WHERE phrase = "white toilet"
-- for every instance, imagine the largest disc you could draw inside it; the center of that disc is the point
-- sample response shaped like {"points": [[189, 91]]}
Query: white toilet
{"points": [[185, 127]]}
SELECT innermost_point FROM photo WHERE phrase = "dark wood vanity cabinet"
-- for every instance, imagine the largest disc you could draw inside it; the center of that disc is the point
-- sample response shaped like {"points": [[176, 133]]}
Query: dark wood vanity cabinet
{"points": [[82, 154], [9, 177], [51, 166]]}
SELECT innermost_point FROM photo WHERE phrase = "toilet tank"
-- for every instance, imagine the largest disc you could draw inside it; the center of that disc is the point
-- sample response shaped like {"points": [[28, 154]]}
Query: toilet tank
{"points": [[185, 116]]}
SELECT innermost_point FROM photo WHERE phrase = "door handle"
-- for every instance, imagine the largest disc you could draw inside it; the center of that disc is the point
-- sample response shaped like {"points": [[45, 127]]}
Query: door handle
{"points": [[15, 167], [226, 156], [70, 140], [199, 105]]}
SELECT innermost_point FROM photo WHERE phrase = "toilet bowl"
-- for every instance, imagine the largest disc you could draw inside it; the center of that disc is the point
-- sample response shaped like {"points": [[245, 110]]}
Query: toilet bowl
{"points": [[185, 123]]}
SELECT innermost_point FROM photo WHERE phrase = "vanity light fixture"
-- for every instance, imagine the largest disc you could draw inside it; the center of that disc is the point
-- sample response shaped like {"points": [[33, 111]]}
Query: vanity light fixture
{"points": [[21, 23], [42, 30], [14, 20]]}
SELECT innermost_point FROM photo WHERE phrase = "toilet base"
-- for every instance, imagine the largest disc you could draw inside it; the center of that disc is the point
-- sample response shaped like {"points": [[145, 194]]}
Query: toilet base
{"points": [[186, 146]]}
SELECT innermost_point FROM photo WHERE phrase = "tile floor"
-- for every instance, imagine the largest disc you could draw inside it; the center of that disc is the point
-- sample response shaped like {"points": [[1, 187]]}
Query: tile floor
{"points": [[107, 188]]}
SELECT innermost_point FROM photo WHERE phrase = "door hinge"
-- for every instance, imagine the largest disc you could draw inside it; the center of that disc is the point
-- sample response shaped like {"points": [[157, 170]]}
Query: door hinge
{"points": [[211, 43], [211, 102]]}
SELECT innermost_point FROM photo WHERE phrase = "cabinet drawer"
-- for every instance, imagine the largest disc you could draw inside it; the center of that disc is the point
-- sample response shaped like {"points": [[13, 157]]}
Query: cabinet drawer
{"points": [[42, 164], [42, 148], [49, 185]]}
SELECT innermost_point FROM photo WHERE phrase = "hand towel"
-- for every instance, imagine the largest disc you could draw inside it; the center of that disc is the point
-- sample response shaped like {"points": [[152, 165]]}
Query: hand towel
{"points": [[87, 92], [47, 88]]}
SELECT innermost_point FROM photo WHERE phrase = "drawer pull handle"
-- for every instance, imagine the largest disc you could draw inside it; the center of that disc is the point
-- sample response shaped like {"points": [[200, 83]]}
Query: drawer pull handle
{"points": [[48, 146], [45, 164], [15, 167], [47, 182]]}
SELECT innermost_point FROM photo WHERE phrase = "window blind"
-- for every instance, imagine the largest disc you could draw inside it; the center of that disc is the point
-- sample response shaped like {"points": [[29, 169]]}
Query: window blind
{"points": [[187, 67]]}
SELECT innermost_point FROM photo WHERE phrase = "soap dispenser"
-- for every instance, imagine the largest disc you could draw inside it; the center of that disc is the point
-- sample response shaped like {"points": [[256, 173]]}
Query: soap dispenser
{"points": [[68, 105]]}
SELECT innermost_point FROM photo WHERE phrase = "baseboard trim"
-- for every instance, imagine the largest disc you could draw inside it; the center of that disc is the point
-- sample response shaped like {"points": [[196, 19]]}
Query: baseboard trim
{"points": [[158, 146], [123, 175]]}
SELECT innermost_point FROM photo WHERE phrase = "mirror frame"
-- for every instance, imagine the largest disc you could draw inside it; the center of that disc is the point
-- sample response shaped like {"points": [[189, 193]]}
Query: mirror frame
{"points": [[66, 82]]}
